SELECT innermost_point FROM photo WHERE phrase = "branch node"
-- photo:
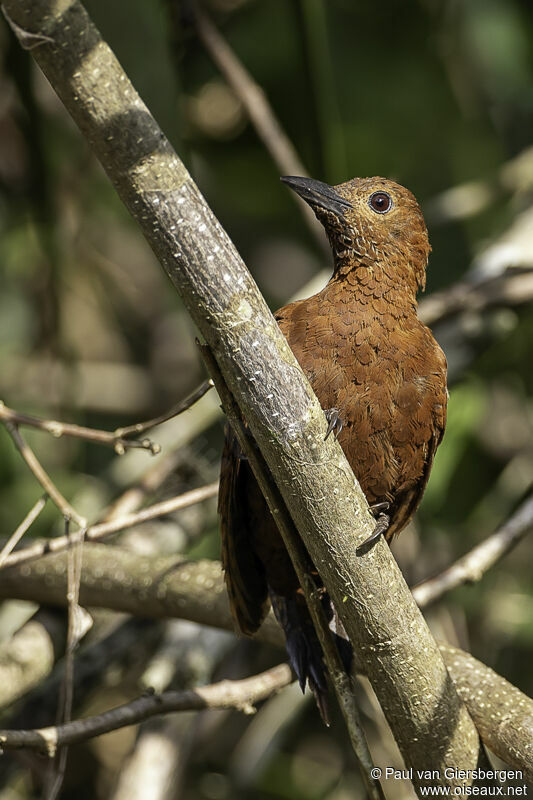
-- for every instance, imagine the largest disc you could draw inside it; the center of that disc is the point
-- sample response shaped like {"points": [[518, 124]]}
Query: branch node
{"points": [[27, 39], [247, 708], [56, 429]]}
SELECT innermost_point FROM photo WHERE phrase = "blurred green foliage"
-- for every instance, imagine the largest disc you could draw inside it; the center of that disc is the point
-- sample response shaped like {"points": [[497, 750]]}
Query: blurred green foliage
{"points": [[434, 94]]}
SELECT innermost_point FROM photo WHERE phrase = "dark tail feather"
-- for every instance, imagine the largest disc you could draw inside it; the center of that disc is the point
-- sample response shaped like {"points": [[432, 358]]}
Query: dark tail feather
{"points": [[243, 572], [303, 647]]}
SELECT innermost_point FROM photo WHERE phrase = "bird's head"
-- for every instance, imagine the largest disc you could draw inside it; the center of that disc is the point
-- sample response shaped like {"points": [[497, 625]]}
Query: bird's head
{"points": [[370, 221]]}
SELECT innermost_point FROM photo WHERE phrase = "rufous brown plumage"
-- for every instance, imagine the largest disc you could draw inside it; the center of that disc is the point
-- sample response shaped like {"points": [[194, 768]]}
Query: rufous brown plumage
{"points": [[379, 375]]}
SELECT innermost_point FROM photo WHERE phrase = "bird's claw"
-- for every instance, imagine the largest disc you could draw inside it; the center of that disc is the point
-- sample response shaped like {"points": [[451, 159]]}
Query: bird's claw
{"points": [[334, 422], [382, 525], [378, 508]]}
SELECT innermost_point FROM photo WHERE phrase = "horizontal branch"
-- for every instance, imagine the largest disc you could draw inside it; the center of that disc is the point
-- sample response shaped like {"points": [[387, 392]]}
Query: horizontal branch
{"points": [[169, 586], [241, 695], [115, 578]]}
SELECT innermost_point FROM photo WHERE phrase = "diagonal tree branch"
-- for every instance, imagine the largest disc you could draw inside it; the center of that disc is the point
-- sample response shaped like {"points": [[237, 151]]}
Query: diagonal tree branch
{"points": [[43, 477], [514, 287], [257, 107], [336, 670], [430, 723], [502, 713], [472, 566], [26, 523]]}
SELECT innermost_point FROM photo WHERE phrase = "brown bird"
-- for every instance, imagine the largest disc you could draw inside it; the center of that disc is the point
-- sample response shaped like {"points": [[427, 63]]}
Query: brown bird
{"points": [[379, 375]]}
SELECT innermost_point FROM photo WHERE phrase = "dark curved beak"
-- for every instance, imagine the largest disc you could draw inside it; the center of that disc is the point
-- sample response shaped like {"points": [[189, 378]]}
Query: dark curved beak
{"points": [[318, 194]]}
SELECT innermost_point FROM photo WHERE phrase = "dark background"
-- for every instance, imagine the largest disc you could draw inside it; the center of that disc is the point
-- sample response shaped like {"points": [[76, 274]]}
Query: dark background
{"points": [[433, 94]]}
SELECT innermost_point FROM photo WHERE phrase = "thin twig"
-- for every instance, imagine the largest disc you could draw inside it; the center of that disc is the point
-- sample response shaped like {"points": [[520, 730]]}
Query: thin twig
{"points": [[183, 405], [17, 535], [74, 633], [344, 689], [134, 496], [241, 695], [300, 560], [471, 567], [98, 532], [249, 93], [57, 429], [42, 476], [116, 439], [258, 109]]}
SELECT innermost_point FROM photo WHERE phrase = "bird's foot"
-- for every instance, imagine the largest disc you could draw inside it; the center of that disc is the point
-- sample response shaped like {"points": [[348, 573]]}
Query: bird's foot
{"points": [[378, 508], [334, 422], [382, 525]]}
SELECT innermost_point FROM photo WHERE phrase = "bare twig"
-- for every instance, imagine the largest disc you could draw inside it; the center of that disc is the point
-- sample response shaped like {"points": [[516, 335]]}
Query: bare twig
{"points": [[98, 532], [17, 535], [74, 632], [113, 439], [472, 566], [183, 405], [134, 496], [181, 438], [301, 563], [116, 439], [241, 695], [249, 93], [316, 42], [259, 110], [42, 476]]}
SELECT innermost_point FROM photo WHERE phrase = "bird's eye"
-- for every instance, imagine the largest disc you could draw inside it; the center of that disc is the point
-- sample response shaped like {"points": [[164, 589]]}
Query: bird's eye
{"points": [[381, 202]]}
